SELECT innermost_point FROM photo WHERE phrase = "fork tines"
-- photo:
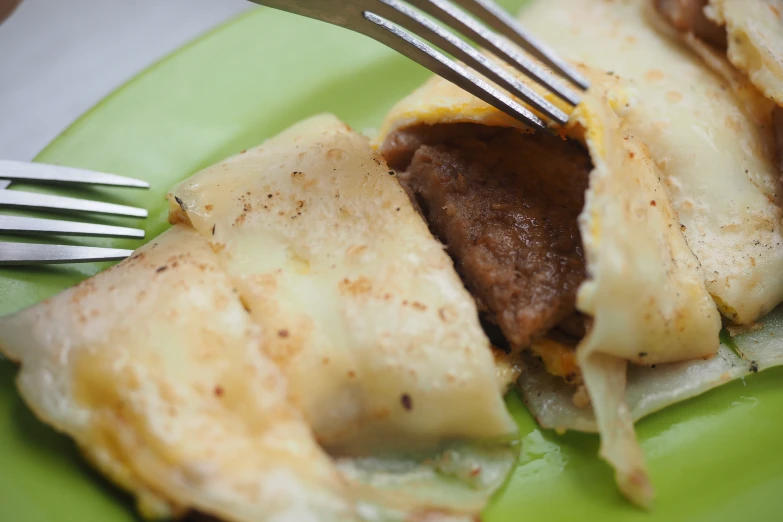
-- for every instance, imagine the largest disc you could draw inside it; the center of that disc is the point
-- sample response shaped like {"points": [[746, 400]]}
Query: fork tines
{"points": [[399, 26], [28, 253]]}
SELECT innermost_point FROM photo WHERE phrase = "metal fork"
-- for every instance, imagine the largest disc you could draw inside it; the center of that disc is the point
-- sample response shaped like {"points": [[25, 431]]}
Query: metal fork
{"points": [[12, 253], [397, 25]]}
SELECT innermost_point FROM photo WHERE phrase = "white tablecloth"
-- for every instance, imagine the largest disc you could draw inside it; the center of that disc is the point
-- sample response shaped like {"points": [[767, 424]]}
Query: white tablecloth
{"points": [[59, 57]]}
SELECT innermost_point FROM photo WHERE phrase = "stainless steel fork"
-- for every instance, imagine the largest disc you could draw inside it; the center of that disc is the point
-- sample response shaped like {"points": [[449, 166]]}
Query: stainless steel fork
{"points": [[398, 25], [13, 253]]}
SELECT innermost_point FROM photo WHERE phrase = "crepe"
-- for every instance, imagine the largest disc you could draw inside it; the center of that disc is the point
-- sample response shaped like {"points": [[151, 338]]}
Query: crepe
{"points": [[644, 291], [329, 256], [715, 148], [718, 164], [652, 388], [153, 367], [297, 348], [748, 32], [743, 42]]}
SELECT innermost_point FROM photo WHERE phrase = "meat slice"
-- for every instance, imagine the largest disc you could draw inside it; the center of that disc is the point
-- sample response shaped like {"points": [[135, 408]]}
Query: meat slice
{"points": [[506, 205], [687, 16]]}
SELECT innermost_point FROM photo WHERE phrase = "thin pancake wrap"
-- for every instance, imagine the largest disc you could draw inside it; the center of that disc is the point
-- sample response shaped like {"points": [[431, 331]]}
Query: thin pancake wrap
{"points": [[155, 370], [742, 40], [748, 32], [644, 294], [298, 348], [718, 164], [331, 259]]}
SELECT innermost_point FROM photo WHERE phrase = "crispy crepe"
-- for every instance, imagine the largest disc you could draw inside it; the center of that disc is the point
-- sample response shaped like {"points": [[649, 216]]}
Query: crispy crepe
{"points": [[642, 291]]}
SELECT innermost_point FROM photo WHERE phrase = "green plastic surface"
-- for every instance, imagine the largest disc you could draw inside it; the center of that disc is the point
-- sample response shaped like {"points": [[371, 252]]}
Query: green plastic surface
{"points": [[714, 458]]}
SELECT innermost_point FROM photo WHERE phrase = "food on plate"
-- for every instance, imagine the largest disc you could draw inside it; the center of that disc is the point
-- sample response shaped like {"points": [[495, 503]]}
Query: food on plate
{"points": [[544, 232], [712, 139], [156, 371], [742, 41], [297, 348], [718, 164], [331, 259], [559, 238], [327, 331], [747, 32]]}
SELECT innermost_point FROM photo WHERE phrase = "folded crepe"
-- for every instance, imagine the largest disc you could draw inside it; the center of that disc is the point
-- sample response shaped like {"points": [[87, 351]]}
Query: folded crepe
{"points": [[742, 40], [297, 348], [673, 151], [560, 238], [708, 128], [747, 32], [155, 369], [717, 157]]}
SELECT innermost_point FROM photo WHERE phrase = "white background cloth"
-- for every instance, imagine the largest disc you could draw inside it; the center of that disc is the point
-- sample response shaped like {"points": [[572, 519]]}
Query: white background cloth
{"points": [[58, 58]]}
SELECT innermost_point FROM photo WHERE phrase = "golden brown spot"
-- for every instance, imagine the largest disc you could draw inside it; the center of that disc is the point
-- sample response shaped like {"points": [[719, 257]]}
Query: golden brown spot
{"points": [[654, 75], [218, 391], [282, 333], [653, 203], [209, 207], [351, 374], [360, 285], [419, 306], [674, 96]]}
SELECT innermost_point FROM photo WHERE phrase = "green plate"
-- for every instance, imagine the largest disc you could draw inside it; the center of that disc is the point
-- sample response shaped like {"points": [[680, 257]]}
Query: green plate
{"points": [[715, 458]]}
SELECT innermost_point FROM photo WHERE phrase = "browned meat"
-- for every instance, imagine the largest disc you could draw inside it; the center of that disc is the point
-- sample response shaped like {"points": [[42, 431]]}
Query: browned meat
{"points": [[687, 16], [506, 206], [574, 325]]}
